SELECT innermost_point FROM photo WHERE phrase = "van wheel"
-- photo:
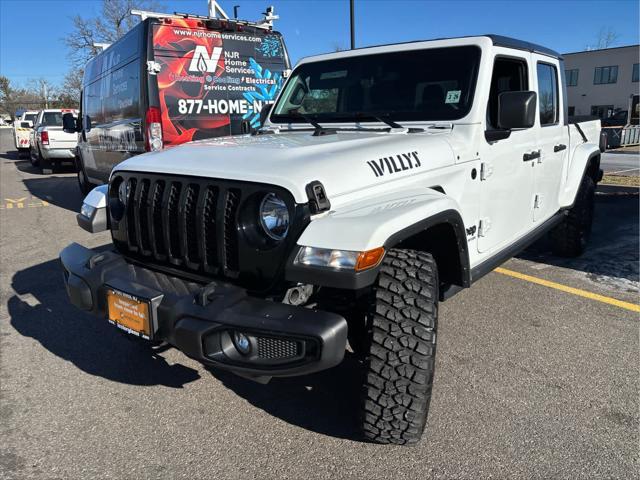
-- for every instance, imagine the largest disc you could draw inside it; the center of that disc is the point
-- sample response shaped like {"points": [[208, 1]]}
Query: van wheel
{"points": [[570, 238], [83, 182], [401, 338]]}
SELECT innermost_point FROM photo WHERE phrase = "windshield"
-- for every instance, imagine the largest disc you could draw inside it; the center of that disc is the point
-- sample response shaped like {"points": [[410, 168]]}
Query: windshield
{"points": [[52, 119], [30, 117], [431, 84]]}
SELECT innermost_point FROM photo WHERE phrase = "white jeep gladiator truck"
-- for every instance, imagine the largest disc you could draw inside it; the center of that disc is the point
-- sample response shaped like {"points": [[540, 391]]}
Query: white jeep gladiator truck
{"points": [[22, 132], [384, 180], [50, 145]]}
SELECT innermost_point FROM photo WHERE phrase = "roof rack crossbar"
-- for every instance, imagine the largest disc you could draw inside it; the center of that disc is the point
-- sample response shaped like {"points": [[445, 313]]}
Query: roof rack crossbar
{"points": [[266, 22]]}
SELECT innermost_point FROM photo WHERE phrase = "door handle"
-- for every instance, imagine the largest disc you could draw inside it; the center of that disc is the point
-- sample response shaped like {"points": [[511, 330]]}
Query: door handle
{"points": [[559, 148], [527, 157]]}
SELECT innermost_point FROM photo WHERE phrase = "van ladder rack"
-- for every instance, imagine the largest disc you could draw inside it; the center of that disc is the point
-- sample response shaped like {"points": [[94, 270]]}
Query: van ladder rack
{"points": [[266, 22]]}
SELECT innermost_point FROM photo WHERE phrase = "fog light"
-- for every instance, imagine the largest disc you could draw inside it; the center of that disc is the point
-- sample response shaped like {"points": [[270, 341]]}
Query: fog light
{"points": [[242, 343]]}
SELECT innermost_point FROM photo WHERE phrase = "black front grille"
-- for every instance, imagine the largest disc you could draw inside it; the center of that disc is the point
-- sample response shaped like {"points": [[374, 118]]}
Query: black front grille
{"points": [[182, 223], [208, 227]]}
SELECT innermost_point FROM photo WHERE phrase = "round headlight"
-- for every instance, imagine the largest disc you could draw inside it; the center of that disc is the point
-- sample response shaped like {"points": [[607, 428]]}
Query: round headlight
{"points": [[274, 216], [123, 192]]}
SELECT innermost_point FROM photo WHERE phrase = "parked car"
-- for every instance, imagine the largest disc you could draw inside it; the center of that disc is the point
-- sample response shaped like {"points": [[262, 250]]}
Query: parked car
{"points": [[173, 79], [384, 180], [50, 145], [22, 132], [618, 119]]}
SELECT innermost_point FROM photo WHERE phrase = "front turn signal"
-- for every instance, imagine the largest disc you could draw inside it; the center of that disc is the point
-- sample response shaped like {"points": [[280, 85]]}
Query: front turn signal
{"points": [[369, 259]]}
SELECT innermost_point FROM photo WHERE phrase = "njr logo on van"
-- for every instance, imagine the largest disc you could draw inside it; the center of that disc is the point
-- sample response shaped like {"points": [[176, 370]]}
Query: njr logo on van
{"points": [[202, 61]]}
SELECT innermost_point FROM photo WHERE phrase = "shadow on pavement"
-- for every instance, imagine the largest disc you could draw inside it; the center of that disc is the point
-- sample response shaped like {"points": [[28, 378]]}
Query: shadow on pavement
{"points": [[324, 402], [40, 310], [612, 255], [62, 192]]}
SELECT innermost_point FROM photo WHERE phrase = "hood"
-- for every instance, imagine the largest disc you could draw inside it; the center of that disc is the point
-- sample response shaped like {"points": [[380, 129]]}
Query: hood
{"points": [[344, 162]]}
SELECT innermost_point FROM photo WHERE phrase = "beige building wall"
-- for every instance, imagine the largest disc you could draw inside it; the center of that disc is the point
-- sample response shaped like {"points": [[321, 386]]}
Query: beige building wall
{"points": [[585, 94]]}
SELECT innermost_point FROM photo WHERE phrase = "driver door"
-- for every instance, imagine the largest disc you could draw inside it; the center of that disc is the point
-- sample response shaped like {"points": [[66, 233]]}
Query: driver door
{"points": [[506, 179]]}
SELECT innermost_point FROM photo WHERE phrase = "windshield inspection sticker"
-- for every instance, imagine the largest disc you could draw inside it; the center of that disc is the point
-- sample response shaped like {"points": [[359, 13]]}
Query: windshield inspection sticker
{"points": [[453, 96]]}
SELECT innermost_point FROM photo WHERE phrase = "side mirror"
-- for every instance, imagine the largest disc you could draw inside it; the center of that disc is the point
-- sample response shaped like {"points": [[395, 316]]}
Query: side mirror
{"points": [[69, 123], [264, 113], [26, 124], [86, 125], [516, 110]]}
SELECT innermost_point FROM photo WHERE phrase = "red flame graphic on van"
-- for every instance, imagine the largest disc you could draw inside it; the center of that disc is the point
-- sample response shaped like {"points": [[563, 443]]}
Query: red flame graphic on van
{"points": [[174, 45]]}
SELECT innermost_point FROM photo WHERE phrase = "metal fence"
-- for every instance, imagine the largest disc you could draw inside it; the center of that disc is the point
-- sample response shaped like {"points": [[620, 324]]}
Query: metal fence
{"points": [[622, 136]]}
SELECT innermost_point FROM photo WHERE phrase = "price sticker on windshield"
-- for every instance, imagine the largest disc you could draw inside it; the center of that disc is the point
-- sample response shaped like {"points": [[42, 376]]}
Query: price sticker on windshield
{"points": [[453, 96]]}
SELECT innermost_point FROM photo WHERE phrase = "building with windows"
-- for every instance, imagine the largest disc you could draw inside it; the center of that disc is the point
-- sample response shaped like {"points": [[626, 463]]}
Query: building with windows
{"points": [[601, 82]]}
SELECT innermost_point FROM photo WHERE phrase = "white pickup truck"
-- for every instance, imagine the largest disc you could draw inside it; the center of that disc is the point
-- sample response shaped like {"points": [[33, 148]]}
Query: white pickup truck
{"points": [[384, 180], [22, 132], [50, 145]]}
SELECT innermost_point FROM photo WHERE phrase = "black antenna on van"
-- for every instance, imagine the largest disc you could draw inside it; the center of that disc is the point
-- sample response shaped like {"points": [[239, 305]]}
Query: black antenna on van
{"points": [[235, 11]]}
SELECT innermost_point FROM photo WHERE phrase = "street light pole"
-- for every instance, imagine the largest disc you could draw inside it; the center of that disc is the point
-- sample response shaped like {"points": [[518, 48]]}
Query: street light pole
{"points": [[353, 30]]}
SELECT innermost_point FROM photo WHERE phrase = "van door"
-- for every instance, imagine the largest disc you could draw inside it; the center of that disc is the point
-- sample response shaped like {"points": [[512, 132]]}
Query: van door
{"points": [[210, 82], [506, 197], [552, 138]]}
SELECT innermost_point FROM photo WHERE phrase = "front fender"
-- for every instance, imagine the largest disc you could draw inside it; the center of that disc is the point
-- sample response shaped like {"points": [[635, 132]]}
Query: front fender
{"points": [[371, 222], [577, 168], [374, 222]]}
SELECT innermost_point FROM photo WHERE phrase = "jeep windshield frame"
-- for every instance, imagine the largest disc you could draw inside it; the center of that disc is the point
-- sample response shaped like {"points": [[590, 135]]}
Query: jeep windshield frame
{"points": [[425, 85]]}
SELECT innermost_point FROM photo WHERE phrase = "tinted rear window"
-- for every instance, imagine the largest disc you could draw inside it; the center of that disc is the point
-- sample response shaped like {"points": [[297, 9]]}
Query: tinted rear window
{"points": [[52, 119]]}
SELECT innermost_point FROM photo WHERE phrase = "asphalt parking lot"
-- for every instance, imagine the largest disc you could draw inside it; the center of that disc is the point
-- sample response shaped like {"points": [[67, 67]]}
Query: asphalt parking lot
{"points": [[532, 381]]}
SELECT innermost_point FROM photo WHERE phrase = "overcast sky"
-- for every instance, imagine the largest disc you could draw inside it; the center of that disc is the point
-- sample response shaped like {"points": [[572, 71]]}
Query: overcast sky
{"points": [[31, 31]]}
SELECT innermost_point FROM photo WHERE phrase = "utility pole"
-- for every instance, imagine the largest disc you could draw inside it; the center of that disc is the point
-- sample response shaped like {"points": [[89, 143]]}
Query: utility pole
{"points": [[46, 101], [353, 30]]}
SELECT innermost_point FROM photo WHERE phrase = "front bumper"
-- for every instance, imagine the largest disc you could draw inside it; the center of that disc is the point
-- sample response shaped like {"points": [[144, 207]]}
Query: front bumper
{"points": [[201, 320]]}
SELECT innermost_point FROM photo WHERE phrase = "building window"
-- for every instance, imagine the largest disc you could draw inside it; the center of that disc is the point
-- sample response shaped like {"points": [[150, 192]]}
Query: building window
{"points": [[605, 75], [547, 93], [636, 74], [572, 77], [602, 111], [572, 111]]}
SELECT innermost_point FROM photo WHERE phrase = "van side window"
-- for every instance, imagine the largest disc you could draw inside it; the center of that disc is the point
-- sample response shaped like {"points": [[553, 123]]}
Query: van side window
{"points": [[548, 94], [92, 108], [509, 75]]}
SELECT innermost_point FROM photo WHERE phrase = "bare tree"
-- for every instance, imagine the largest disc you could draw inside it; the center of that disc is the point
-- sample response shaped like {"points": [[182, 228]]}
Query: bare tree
{"points": [[337, 47], [605, 38], [113, 22]]}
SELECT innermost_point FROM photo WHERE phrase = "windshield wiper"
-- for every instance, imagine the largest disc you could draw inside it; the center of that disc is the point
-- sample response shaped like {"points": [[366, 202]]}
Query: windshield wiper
{"points": [[319, 129], [387, 120]]}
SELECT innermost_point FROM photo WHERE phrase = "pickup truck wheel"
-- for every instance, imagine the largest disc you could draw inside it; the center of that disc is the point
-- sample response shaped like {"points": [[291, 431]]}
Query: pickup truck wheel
{"points": [[569, 239], [36, 159], [401, 348]]}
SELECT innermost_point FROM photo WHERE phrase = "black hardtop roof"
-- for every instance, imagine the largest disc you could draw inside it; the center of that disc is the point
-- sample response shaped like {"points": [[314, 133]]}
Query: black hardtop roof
{"points": [[508, 42], [497, 40]]}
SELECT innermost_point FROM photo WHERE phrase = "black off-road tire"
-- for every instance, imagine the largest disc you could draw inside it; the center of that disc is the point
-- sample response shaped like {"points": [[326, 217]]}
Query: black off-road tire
{"points": [[570, 238], [402, 347]]}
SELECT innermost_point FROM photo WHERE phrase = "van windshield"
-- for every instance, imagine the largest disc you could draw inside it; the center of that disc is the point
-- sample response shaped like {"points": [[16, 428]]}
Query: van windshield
{"points": [[427, 84], [30, 117]]}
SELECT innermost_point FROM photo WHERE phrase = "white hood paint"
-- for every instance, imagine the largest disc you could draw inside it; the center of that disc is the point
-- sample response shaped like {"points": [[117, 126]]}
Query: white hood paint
{"points": [[294, 159]]}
